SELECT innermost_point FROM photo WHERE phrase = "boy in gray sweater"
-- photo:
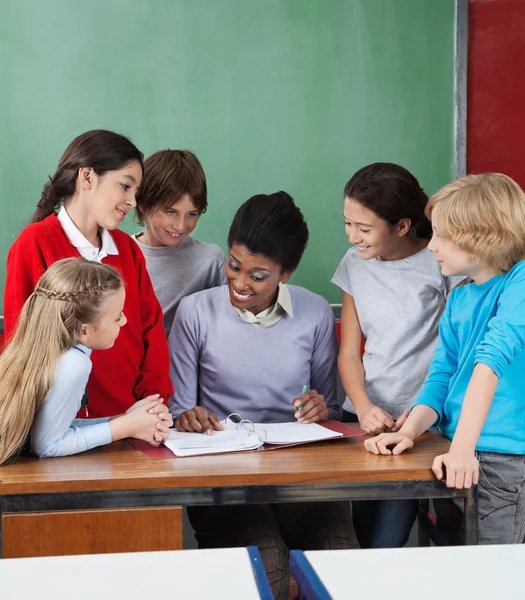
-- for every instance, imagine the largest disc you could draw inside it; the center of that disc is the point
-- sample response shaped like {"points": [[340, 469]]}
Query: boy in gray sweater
{"points": [[171, 198]]}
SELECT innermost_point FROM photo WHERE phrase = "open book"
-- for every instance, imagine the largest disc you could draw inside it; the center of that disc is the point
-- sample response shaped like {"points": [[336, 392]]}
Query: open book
{"points": [[257, 436]]}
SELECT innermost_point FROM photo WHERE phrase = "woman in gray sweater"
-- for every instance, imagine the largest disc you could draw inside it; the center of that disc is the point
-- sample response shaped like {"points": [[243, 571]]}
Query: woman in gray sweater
{"points": [[251, 347]]}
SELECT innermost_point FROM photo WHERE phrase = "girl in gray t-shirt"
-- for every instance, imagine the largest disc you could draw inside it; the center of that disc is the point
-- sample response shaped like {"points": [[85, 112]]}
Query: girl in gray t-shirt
{"points": [[393, 297]]}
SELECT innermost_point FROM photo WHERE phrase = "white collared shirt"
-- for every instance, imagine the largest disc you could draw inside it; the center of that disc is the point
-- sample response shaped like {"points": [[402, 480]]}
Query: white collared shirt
{"points": [[272, 315], [86, 248]]}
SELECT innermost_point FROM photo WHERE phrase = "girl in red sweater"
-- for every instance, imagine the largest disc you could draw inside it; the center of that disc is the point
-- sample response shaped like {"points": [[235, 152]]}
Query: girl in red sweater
{"points": [[88, 197]]}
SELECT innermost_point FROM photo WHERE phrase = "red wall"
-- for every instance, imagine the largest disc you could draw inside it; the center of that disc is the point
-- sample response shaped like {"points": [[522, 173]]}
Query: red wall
{"points": [[496, 88]]}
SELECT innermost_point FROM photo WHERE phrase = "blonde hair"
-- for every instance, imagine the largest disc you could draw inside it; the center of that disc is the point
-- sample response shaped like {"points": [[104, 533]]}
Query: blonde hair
{"points": [[70, 293], [483, 215]]}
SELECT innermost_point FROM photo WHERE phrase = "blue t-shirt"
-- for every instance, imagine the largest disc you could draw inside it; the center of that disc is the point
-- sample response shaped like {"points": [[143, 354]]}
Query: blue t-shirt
{"points": [[483, 324]]}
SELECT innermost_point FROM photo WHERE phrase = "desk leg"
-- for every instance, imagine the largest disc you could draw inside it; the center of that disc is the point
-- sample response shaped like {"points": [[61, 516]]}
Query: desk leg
{"points": [[471, 517], [423, 537]]}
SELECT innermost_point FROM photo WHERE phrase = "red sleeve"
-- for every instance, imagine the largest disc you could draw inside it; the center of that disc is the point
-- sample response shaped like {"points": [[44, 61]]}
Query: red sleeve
{"points": [[154, 375], [25, 266]]}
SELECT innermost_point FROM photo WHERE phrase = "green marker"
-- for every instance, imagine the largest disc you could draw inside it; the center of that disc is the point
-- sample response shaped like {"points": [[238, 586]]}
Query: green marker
{"points": [[306, 388]]}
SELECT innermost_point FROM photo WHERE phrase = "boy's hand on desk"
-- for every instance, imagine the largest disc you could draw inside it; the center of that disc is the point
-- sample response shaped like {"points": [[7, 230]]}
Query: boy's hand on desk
{"points": [[462, 468], [310, 407], [380, 444], [198, 420], [375, 420]]}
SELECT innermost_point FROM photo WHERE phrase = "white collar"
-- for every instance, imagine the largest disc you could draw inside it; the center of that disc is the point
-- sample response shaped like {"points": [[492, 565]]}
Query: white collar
{"points": [[284, 299], [79, 241], [272, 314]]}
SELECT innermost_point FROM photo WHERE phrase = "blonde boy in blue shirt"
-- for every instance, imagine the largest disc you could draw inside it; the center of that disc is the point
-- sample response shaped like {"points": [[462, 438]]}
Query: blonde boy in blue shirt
{"points": [[475, 390]]}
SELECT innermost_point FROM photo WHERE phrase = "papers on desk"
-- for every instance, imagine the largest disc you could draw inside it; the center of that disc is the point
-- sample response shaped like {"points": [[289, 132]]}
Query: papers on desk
{"points": [[238, 440], [194, 444], [295, 433]]}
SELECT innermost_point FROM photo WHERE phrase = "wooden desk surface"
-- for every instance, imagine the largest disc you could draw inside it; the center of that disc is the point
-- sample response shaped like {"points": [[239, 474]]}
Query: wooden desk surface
{"points": [[121, 467]]}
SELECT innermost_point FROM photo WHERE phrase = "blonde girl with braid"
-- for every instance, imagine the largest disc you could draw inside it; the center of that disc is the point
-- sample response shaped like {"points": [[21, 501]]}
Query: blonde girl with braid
{"points": [[76, 307]]}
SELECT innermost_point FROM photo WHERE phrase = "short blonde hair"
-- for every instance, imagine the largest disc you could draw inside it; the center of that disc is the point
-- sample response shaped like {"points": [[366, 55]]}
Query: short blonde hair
{"points": [[483, 215]]}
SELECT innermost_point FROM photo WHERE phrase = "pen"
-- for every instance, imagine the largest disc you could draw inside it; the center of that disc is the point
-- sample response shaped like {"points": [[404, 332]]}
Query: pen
{"points": [[306, 388]]}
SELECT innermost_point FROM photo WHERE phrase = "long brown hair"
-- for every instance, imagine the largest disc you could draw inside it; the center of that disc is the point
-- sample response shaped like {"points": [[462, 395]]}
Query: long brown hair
{"points": [[99, 149], [70, 293]]}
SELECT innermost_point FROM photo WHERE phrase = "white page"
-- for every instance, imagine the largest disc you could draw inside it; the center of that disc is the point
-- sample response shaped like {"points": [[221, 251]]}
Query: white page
{"points": [[186, 439], [194, 444], [244, 445], [289, 433]]}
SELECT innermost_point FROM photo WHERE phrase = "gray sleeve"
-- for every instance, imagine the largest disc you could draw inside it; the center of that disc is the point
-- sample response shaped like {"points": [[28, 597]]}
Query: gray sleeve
{"points": [[323, 373], [184, 358], [218, 277], [341, 276], [453, 280]]}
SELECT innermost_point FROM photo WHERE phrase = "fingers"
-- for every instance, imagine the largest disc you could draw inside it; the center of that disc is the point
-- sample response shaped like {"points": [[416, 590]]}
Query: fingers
{"points": [[166, 418], [371, 445], [373, 425], [404, 444], [198, 420], [314, 410], [437, 467], [159, 408], [216, 424], [383, 417], [376, 420], [380, 444], [149, 398], [302, 400], [400, 421], [400, 443]]}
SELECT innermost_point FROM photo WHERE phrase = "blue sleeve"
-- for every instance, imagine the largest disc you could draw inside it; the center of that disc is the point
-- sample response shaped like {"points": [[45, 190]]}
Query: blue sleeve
{"points": [[184, 358], [505, 335], [323, 370], [55, 431], [443, 367]]}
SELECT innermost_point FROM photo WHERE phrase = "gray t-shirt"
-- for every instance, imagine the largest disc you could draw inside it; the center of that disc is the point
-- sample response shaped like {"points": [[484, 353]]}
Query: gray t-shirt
{"points": [[178, 271], [399, 304]]}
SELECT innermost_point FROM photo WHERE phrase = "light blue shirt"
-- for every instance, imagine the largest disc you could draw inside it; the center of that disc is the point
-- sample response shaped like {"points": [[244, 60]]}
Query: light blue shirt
{"points": [[55, 431], [483, 324], [225, 365]]}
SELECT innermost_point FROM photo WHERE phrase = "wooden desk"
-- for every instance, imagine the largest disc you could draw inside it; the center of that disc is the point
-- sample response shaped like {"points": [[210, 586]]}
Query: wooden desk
{"points": [[231, 574], [412, 573], [118, 476]]}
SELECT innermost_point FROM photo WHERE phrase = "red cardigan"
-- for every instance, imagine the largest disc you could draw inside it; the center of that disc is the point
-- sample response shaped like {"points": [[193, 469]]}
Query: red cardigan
{"points": [[138, 363]]}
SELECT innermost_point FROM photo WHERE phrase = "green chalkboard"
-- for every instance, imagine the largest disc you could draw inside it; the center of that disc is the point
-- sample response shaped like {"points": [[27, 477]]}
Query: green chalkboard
{"points": [[270, 94]]}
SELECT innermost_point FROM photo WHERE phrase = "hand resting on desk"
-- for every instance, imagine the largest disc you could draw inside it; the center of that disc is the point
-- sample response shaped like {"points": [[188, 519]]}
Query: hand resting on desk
{"points": [[198, 420]]}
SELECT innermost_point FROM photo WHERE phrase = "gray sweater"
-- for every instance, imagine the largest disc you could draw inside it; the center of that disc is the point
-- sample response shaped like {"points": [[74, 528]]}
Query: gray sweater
{"points": [[222, 363], [178, 271]]}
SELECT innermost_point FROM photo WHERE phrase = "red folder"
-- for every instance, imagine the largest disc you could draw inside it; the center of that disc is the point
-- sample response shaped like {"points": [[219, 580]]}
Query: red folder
{"points": [[164, 452]]}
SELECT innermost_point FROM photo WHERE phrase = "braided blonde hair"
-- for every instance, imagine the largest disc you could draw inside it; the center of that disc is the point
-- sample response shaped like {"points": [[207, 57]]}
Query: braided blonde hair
{"points": [[69, 294]]}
